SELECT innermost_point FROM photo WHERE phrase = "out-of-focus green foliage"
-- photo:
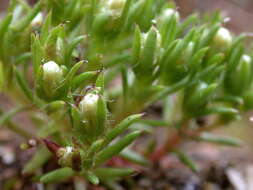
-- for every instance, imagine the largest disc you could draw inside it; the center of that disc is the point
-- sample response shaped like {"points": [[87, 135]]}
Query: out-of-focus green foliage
{"points": [[60, 57]]}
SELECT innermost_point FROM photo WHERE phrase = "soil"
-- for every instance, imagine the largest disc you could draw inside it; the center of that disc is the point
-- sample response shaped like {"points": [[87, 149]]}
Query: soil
{"points": [[219, 169]]}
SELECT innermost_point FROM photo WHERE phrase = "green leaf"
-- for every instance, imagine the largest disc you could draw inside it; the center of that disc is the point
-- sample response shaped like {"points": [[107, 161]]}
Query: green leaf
{"points": [[8, 115], [116, 148], [91, 177], [45, 29], [147, 58], [154, 122], [216, 59], [25, 57], [217, 139], [22, 24], [168, 28], [101, 116], [4, 25], [100, 82], [125, 12], [134, 12], [194, 62], [50, 46], [57, 175], [83, 79], [185, 159], [71, 47], [69, 77], [110, 173], [198, 95], [181, 45], [95, 147], [230, 99], [189, 20], [121, 127], [207, 38], [218, 110], [55, 106], [125, 84], [99, 22], [136, 45], [1, 77], [134, 157], [234, 58], [169, 90], [24, 85], [39, 158], [243, 79], [37, 54]]}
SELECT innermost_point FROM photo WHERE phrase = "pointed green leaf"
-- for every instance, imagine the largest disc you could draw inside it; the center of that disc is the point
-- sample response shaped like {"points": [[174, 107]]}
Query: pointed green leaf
{"points": [[92, 178], [83, 79], [71, 47], [24, 85], [218, 110], [185, 159], [116, 148], [8, 115], [217, 139], [101, 116], [125, 12], [147, 58], [37, 53], [1, 77], [122, 126], [45, 29], [100, 82], [110, 173], [134, 157], [57, 175], [136, 45], [40, 157], [4, 25], [22, 24]]}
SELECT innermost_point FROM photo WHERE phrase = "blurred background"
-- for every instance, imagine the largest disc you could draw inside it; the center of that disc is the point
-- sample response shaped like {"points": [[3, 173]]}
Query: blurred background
{"points": [[238, 10]]}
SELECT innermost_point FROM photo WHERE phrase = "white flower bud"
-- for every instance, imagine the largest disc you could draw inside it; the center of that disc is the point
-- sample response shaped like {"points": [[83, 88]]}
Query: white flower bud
{"points": [[52, 72], [52, 76], [186, 54], [66, 155], [89, 103], [92, 109], [37, 21], [246, 58], [222, 38], [116, 6], [169, 12]]}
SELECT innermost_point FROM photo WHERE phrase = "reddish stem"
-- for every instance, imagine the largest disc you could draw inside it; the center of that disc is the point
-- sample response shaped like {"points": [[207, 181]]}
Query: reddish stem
{"points": [[168, 146], [52, 146]]}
